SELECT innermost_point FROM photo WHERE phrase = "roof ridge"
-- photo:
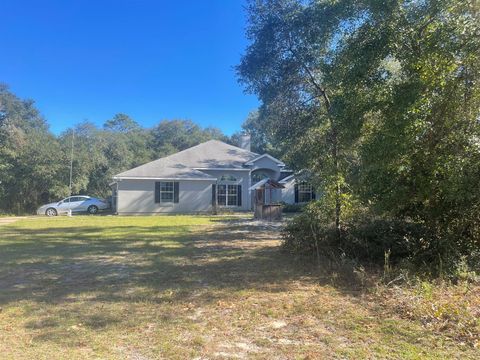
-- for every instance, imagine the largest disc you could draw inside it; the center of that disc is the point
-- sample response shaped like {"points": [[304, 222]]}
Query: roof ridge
{"points": [[230, 145], [206, 153], [166, 157]]}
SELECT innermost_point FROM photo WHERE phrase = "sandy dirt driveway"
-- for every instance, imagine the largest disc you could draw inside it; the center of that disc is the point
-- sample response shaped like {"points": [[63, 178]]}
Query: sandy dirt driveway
{"points": [[10, 219]]}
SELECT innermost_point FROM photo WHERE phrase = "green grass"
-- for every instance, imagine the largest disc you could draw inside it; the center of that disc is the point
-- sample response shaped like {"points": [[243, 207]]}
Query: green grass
{"points": [[183, 287]]}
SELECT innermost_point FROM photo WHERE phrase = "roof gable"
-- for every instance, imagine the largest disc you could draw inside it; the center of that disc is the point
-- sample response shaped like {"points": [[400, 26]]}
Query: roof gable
{"points": [[184, 164], [265, 156]]}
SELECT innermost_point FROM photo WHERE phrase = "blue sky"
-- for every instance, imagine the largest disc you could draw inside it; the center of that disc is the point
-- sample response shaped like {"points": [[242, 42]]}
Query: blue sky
{"points": [[153, 60]]}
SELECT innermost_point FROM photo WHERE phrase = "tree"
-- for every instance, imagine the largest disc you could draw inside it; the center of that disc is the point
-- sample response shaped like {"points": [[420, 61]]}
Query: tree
{"points": [[170, 136], [421, 154], [289, 66], [381, 101], [262, 139], [29, 156], [121, 123]]}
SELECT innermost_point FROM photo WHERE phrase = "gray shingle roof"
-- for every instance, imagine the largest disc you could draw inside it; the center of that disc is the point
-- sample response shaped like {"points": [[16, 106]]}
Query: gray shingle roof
{"points": [[210, 154]]}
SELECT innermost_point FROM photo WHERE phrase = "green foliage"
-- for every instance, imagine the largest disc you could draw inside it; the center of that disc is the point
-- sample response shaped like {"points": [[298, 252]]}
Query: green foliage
{"points": [[170, 136], [262, 139], [35, 164], [311, 232], [398, 132], [292, 208], [29, 155]]}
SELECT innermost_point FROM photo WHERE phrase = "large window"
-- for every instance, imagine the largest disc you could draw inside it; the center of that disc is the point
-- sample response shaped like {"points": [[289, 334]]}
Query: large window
{"points": [[259, 176], [166, 191], [227, 195], [228, 178], [305, 192]]}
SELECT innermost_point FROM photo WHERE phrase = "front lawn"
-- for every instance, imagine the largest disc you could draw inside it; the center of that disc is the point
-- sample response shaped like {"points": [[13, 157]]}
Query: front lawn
{"points": [[184, 287]]}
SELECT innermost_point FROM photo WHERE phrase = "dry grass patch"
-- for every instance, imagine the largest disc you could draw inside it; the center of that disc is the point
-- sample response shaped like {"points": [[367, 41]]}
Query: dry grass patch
{"points": [[452, 310], [187, 287]]}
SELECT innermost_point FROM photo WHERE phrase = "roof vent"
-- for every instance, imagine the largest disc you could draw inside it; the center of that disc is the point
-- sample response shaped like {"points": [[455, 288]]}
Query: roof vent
{"points": [[245, 141]]}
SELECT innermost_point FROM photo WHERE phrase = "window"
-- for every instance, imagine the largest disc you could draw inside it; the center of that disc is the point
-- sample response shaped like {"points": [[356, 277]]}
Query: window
{"points": [[305, 192], [166, 191], [259, 176], [232, 195], [222, 195], [228, 178], [227, 195]]}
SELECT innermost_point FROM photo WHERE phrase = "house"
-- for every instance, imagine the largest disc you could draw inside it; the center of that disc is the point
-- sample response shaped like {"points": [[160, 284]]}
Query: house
{"points": [[205, 177]]}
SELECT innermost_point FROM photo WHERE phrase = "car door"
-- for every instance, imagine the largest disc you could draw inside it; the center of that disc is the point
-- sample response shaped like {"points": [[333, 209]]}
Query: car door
{"points": [[65, 205], [72, 203], [76, 203], [83, 203]]}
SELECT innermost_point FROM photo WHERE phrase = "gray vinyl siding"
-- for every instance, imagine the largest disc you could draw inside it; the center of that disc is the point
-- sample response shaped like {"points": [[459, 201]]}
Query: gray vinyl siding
{"points": [[138, 197], [268, 164], [288, 193]]}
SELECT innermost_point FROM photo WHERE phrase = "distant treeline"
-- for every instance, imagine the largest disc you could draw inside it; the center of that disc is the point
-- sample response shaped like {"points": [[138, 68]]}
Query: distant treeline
{"points": [[35, 164]]}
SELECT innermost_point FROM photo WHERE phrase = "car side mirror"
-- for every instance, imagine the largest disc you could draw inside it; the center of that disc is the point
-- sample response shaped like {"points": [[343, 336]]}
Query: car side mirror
{"points": [[59, 203]]}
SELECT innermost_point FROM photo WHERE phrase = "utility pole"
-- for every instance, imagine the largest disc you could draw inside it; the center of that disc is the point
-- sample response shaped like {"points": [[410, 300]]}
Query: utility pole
{"points": [[71, 161]]}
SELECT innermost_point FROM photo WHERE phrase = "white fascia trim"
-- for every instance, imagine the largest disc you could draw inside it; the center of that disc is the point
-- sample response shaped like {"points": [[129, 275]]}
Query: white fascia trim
{"points": [[222, 169], [258, 184], [160, 178], [287, 179], [265, 155]]}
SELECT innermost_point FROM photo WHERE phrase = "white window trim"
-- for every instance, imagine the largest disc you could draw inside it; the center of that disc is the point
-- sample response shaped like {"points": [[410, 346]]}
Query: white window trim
{"points": [[310, 192], [167, 192], [226, 194]]}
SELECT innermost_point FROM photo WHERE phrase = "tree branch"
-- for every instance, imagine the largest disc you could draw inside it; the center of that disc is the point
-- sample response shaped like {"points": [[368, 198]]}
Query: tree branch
{"points": [[313, 81]]}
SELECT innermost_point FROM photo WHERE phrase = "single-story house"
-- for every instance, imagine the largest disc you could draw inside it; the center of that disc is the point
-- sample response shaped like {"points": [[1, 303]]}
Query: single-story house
{"points": [[203, 178]]}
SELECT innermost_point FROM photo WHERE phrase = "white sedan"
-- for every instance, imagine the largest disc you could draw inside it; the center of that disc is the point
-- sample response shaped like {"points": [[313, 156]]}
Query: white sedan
{"points": [[78, 203]]}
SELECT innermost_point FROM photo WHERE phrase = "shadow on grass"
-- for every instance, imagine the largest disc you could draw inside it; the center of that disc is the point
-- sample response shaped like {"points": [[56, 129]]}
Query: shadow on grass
{"points": [[92, 274], [133, 263]]}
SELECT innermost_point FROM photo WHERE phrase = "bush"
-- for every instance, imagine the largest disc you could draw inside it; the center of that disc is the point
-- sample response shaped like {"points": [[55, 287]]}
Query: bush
{"points": [[309, 232], [372, 240], [292, 208]]}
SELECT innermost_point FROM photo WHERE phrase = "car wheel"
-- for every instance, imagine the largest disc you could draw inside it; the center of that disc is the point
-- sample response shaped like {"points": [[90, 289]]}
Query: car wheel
{"points": [[92, 209], [51, 212]]}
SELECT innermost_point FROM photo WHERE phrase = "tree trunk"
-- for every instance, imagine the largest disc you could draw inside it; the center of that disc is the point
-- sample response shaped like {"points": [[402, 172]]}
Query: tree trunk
{"points": [[334, 138], [338, 190]]}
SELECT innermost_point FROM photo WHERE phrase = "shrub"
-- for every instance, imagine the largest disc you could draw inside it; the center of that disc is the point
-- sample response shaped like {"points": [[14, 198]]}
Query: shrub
{"points": [[369, 240], [292, 208], [309, 232]]}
